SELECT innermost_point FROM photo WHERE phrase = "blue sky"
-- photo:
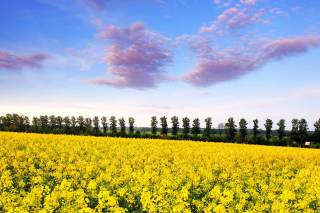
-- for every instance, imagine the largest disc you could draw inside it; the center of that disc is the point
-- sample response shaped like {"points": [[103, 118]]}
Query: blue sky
{"points": [[210, 58]]}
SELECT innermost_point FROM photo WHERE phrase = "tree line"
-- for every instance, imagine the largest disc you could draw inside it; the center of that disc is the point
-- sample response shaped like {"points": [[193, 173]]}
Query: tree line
{"points": [[225, 132]]}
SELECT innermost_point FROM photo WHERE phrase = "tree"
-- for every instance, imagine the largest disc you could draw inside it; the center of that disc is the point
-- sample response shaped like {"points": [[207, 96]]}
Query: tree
{"points": [[294, 130], [35, 122], [22, 123], [195, 130], [243, 129], [96, 123], [44, 120], [87, 122], [164, 125], [303, 128], [80, 121], [59, 122], [73, 122], [52, 121], [113, 124], [104, 124], [221, 127], [153, 125], [27, 122], [122, 124], [207, 130], [9, 119], [255, 128], [281, 129], [186, 125], [131, 123], [317, 130], [268, 126], [175, 125], [67, 122], [231, 129]]}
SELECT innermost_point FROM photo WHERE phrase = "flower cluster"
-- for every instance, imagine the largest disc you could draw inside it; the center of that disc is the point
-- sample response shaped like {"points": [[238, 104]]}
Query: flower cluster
{"points": [[60, 173]]}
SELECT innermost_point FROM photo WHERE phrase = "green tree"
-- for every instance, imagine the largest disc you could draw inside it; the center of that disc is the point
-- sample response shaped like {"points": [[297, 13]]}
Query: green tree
{"points": [[9, 119], [186, 125], [96, 123], [73, 122], [131, 123], [195, 130], [67, 122], [281, 129], [27, 122], [255, 129], [231, 129], [22, 125], [52, 121], [44, 121], [35, 122], [164, 125], [153, 125], [302, 132], [207, 130], [113, 124], [294, 130], [268, 126], [243, 129], [317, 130], [80, 121], [88, 122], [59, 122], [104, 124], [122, 124], [175, 125]]}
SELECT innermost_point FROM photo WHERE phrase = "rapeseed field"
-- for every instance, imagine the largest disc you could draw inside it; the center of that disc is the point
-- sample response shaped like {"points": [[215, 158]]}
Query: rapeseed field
{"points": [[58, 173]]}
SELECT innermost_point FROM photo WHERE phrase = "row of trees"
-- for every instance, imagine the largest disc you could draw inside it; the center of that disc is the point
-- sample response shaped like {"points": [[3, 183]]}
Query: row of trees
{"points": [[298, 132], [88, 126]]}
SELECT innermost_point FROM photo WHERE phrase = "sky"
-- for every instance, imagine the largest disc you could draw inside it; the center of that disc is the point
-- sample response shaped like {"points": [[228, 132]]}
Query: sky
{"points": [[141, 58]]}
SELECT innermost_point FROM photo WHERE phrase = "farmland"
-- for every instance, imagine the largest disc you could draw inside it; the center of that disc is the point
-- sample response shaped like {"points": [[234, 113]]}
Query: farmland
{"points": [[60, 173]]}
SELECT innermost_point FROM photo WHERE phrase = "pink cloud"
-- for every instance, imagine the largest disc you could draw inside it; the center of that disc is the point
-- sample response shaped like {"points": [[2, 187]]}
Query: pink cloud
{"points": [[289, 47], [10, 61], [136, 57], [73, 52], [212, 28], [214, 67]]}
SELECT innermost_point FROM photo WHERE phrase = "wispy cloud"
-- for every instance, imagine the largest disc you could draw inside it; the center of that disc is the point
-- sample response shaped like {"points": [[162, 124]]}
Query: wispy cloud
{"points": [[14, 62]]}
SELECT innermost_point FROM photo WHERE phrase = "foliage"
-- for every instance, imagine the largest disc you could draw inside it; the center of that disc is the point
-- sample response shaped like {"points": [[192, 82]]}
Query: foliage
{"points": [[154, 124], [243, 129], [96, 123], [195, 130], [268, 126], [122, 124], [231, 129], [164, 125], [294, 130], [104, 124], [131, 123], [281, 129], [302, 130], [175, 125], [208, 122], [317, 130], [113, 124], [186, 125]]}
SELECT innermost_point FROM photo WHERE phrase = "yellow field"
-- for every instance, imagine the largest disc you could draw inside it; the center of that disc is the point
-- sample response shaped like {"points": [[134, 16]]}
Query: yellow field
{"points": [[52, 173]]}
